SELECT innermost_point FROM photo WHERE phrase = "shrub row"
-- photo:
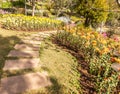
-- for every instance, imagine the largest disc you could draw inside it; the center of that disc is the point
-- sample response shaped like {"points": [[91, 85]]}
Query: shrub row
{"points": [[98, 51], [28, 23]]}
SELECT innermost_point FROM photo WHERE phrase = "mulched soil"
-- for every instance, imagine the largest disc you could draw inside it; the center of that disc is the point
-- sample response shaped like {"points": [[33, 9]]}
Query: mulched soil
{"points": [[86, 80]]}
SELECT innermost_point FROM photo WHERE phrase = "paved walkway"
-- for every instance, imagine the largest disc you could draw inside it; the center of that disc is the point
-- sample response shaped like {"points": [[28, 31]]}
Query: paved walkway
{"points": [[21, 64], [27, 53], [19, 84]]}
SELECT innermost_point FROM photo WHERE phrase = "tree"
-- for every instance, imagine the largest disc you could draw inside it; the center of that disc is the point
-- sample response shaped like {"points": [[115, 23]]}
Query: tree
{"points": [[94, 11], [32, 3], [61, 6], [33, 7], [114, 15], [118, 1]]}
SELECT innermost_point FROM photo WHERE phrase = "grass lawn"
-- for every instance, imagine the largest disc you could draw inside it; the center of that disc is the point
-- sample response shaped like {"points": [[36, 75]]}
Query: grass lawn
{"points": [[62, 69]]}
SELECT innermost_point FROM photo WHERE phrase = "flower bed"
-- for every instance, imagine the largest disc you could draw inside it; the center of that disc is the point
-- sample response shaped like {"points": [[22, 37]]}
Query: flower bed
{"points": [[28, 23], [98, 51]]}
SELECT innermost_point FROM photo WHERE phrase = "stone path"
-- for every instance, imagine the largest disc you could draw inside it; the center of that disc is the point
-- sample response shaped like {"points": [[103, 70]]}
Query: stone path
{"points": [[26, 47], [18, 84], [16, 64], [116, 67], [31, 42], [27, 53]]}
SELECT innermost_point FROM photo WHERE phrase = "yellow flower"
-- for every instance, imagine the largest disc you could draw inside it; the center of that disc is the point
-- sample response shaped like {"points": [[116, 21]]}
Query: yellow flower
{"points": [[79, 33], [103, 42], [97, 49], [72, 31], [94, 43], [117, 60], [88, 34], [87, 44], [83, 37], [92, 36], [105, 50]]}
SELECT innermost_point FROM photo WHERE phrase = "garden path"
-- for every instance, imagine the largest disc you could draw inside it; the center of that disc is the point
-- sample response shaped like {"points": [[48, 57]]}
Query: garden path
{"points": [[25, 56]]}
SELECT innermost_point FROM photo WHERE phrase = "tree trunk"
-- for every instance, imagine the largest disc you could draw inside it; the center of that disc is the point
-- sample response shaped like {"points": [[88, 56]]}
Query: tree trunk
{"points": [[118, 2], [33, 7], [25, 8], [87, 22]]}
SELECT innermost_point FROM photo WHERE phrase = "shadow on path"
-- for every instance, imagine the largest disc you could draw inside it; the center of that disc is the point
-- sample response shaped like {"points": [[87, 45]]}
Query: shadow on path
{"points": [[6, 44]]}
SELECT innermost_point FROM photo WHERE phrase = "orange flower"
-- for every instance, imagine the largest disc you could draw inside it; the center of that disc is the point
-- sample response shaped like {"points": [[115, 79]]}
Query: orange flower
{"points": [[87, 37], [114, 59]]}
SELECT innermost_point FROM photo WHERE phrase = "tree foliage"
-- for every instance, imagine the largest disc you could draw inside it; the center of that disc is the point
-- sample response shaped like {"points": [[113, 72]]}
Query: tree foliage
{"points": [[93, 10], [61, 6], [113, 18]]}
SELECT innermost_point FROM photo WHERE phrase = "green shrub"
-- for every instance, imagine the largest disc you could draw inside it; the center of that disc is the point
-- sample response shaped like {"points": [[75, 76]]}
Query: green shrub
{"points": [[77, 19], [6, 4], [19, 3]]}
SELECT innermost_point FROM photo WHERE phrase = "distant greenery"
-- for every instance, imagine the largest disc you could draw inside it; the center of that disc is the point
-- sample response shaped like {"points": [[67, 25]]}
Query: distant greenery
{"points": [[77, 19], [113, 18], [6, 5], [20, 3], [60, 7], [10, 4], [93, 11]]}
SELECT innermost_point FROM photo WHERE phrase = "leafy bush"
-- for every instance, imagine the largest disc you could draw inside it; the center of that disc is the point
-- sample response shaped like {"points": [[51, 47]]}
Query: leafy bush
{"points": [[19, 3], [22, 22], [77, 19], [98, 51], [9, 4], [6, 5]]}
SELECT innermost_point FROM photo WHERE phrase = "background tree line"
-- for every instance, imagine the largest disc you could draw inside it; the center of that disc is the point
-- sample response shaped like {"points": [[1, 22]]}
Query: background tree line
{"points": [[93, 11]]}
